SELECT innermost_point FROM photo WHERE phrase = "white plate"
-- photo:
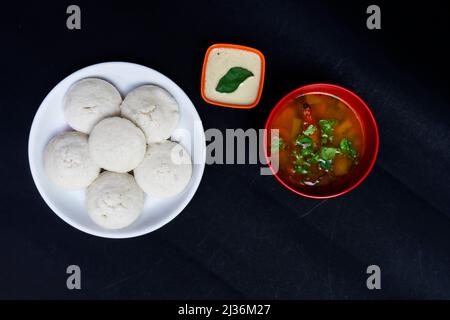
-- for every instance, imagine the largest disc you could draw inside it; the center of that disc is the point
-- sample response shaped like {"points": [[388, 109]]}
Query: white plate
{"points": [[49, 121]]}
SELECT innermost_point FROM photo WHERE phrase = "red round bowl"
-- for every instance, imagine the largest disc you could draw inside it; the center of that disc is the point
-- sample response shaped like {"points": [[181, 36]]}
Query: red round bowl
{"points": [[370, 138]]}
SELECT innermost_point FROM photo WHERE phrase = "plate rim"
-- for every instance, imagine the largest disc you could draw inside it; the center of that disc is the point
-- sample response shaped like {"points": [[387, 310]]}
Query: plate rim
{"points": [[121, 233]]}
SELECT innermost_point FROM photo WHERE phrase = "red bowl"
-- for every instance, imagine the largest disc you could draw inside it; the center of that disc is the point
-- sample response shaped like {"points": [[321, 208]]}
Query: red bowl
{"points": [[370, 138]]}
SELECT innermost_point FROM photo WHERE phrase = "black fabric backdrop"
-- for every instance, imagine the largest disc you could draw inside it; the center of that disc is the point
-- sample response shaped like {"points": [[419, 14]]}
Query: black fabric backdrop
{"points": [[243, 235]]}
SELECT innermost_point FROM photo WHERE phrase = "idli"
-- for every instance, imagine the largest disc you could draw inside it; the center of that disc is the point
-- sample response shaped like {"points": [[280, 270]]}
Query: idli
{"points": [[67, 162], [114, 200], [153, 109], [88, 101], [116, 144], [165, 170]]}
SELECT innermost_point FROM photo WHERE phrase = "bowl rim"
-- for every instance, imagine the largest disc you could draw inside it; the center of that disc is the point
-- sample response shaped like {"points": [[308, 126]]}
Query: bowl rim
{"points": [[261, 81], [317, 89], [119, 233]]}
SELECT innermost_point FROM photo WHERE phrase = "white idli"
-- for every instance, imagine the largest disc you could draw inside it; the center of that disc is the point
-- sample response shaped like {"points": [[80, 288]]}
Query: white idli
{"points": [[67, 162], [153, 109], [114, 200], [116, 144], [165, 170], [88, 101]]}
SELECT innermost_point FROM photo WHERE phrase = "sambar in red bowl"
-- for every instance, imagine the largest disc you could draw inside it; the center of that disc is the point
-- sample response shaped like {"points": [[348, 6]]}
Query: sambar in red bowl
{"points": [[321, 141]]}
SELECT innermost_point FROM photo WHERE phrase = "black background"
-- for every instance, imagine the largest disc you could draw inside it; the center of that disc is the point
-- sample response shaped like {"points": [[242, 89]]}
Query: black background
{"points": [[243, 235]]}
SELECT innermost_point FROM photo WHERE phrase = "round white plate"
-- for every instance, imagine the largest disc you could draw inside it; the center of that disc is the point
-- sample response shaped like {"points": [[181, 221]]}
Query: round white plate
{"points": [[49, 121]]}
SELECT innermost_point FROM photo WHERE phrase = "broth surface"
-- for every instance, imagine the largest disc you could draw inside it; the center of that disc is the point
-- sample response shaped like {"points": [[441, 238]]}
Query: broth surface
{"points": [[320, 142]]}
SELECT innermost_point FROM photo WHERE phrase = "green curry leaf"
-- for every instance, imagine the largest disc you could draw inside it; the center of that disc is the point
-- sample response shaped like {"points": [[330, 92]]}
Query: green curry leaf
{"points": [[232, 79]]}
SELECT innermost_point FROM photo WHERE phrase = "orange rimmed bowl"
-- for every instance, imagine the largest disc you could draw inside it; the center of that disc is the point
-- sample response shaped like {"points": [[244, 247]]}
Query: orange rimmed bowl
{"points": [[261, 82]]}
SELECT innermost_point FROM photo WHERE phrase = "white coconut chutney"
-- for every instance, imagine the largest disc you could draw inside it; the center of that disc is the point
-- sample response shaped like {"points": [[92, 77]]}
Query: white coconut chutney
{"points": [[219, 62]]}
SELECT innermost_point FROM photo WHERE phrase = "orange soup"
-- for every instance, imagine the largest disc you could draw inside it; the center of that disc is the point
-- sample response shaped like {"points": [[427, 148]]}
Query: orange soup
{"points": [[320, 142]]}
